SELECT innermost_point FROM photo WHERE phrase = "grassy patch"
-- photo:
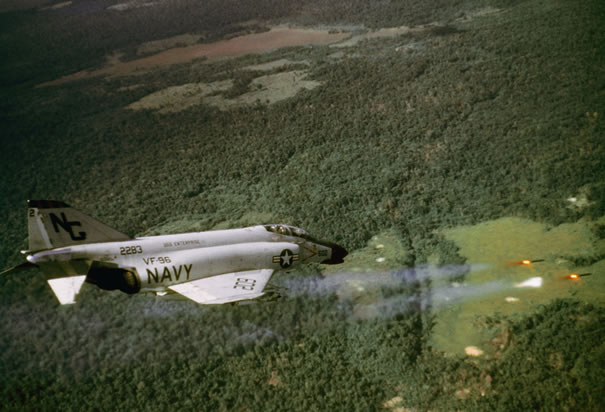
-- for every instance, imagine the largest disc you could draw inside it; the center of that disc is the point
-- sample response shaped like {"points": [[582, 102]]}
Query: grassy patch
{"points": [[503, 244]]}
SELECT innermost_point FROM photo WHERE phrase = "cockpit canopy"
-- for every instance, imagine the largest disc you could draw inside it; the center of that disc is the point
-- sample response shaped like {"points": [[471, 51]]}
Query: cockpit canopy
{"points": [[288, 231]]}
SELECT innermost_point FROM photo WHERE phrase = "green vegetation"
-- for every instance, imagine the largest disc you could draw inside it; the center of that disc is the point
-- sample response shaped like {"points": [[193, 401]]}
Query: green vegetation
{"points": [[480, 117], [554, 348]]}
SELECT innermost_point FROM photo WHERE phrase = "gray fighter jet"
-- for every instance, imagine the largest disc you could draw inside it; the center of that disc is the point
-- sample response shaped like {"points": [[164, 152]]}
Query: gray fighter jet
{"points": [[213, 267]]}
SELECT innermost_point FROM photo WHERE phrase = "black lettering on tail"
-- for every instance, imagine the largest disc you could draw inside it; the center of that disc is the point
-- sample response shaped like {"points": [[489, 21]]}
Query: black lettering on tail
{"points": [[67, 226]]}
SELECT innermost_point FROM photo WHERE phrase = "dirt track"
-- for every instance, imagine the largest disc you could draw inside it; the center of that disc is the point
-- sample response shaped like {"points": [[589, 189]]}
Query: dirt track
{"points": [[238, 46]]}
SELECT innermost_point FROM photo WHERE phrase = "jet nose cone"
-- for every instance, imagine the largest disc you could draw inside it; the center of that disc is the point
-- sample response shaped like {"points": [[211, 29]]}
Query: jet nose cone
{"points": [[338, 255]]}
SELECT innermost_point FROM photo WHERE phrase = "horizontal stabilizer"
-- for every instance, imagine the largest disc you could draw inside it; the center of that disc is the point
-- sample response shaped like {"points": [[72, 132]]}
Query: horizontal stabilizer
{"points": [[66, 289], [229, 287]]}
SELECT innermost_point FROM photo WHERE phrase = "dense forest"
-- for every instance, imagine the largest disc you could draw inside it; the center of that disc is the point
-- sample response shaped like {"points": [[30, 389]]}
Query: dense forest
{"points": [[470, 119]]}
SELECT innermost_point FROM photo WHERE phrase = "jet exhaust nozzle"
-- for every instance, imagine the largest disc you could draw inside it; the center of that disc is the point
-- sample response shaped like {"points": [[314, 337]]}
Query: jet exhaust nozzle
{"points": [[338, 255]]}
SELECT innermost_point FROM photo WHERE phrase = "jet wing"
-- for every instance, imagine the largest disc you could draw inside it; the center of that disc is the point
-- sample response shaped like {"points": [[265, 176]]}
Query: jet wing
{"points": [[225, 288]]}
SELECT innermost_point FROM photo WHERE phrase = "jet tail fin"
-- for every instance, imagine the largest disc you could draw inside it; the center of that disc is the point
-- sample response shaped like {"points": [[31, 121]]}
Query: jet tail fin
{"points": [[53, 224]]}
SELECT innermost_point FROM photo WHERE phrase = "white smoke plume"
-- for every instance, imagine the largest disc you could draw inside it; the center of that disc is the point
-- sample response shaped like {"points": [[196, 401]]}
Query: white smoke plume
{"points": [[386, 294], [320, 286]]}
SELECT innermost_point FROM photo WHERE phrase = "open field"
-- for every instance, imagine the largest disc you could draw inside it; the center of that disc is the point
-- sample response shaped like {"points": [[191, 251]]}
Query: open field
{"points": [[237, 46], [440, 142], [502, 244]]}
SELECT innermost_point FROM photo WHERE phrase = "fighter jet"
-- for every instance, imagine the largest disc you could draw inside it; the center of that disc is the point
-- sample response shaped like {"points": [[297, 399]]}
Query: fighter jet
{"points": [[212, 267]]}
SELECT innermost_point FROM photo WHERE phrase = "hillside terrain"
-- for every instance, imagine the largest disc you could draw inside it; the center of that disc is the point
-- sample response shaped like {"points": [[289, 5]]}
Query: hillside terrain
{"points": [[441, 142]]}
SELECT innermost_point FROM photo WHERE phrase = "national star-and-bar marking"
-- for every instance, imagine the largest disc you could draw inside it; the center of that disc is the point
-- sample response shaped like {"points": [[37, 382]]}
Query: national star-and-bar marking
{"points": [[286, 258]]}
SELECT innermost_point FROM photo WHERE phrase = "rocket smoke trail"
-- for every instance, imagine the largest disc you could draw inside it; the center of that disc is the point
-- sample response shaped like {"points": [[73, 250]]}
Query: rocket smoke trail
{"points": [[318, 285], [385, 294]]}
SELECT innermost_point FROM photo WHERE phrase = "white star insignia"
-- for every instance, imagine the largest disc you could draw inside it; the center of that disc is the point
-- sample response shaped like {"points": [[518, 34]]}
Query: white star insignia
{"points": [[286, 258]]}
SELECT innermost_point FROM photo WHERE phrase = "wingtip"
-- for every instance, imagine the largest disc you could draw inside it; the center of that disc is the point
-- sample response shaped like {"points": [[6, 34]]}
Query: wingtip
{"points": [[22, 266]]}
